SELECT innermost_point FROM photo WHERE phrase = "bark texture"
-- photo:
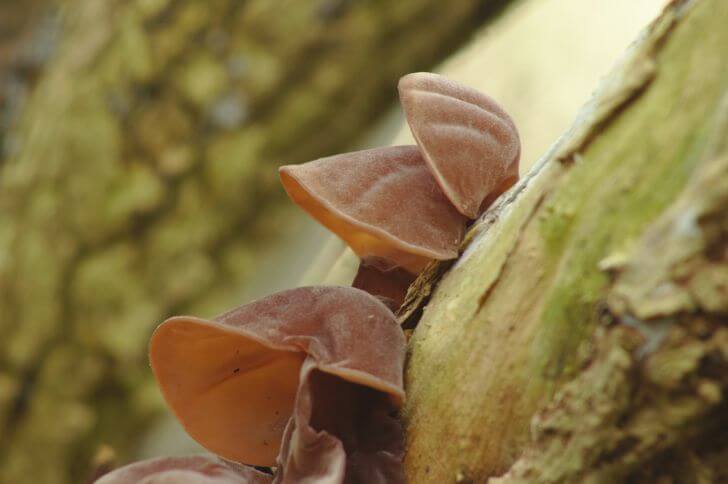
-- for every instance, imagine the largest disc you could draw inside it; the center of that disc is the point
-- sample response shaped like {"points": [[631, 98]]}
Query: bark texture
{"points": [[140, 181], [581, 336]]}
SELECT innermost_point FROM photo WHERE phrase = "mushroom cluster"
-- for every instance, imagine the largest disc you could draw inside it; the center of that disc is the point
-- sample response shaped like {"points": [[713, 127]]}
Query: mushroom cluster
{"points": [[400, 207], [309, 381]]}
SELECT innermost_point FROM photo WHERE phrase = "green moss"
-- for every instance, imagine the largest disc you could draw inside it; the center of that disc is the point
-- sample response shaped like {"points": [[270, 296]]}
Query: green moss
{"points": [[39, 256], [631, 172], [164, 133], [201, 80], [232, 166], [512, 320], [150, 8], [135, 192], [112, 310]]}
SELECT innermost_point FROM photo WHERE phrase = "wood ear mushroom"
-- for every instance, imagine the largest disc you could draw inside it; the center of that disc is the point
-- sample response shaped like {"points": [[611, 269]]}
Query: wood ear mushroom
{"points": [[308, 380], [468, 141], [404, 206], [384, 203]]}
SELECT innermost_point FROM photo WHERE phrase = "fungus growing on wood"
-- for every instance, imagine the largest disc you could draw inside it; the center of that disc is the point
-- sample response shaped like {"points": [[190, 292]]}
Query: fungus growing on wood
{"points": [[184, 470], [403, 206], [322, 363], [469, 142], [310, 379], [384, 203]]}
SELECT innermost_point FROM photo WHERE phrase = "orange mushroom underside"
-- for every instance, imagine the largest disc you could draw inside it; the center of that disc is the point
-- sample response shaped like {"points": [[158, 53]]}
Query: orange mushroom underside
{"points": [[231, 393], [241, 383]]}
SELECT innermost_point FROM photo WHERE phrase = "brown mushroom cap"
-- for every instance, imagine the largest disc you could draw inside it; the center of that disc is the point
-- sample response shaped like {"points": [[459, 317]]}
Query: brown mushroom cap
{"points": [[469, 142], [184, 470], [384, 203], [233, 381]]}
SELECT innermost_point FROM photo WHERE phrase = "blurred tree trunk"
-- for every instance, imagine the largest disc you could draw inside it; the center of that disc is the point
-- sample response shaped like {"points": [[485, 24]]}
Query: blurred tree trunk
{"points": [[138, 179], [600, 285]]}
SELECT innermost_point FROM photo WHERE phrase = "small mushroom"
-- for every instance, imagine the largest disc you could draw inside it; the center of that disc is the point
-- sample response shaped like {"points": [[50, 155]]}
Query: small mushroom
{"points": [[323, 363], [184, 470], [468, 141], [384, 203]]}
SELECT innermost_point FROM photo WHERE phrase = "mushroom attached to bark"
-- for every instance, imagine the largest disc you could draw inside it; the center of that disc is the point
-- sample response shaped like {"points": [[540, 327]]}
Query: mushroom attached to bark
{"points": [[323, 363], [384, 203], [468, 141]]}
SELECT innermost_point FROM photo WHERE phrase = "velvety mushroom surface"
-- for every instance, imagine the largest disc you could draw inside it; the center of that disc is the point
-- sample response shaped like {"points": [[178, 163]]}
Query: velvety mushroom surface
{"points": [[323, 363], [309, 380], [384, 203], [469, 142], [184, 470]]}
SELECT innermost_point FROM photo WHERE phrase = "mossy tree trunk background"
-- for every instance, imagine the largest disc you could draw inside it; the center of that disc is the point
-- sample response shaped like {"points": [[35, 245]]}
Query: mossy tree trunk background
{"points": [[582, 336], [137, 179]]}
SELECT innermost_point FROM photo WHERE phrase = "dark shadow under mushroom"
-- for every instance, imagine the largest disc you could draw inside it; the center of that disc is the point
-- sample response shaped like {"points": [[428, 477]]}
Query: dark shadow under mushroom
{"points": [[355, 427], [390, 286]]}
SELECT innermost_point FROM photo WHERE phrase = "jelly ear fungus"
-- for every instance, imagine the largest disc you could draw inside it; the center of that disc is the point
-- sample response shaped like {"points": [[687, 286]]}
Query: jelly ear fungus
{"points": [[308, 380], [401, 207], [469, 142], [384, 203]]}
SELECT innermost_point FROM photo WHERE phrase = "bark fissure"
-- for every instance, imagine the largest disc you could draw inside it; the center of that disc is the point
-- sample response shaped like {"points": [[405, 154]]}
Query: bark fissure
{"points": [[482, 300]]}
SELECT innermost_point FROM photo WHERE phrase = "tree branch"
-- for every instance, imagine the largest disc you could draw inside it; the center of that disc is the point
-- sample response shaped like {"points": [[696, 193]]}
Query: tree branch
{"points": [[515, 317]]}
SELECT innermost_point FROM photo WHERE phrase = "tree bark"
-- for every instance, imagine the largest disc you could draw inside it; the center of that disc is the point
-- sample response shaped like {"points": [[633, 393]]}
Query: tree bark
{"points": [[140, 182], [581, 336]]}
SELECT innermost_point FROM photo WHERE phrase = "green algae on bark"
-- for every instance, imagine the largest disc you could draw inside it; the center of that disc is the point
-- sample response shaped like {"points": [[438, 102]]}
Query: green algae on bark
{"points": [[512, 320]]}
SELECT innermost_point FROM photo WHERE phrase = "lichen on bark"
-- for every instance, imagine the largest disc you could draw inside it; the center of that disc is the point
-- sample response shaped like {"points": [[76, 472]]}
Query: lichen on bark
{"points": [[651, 403]]}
